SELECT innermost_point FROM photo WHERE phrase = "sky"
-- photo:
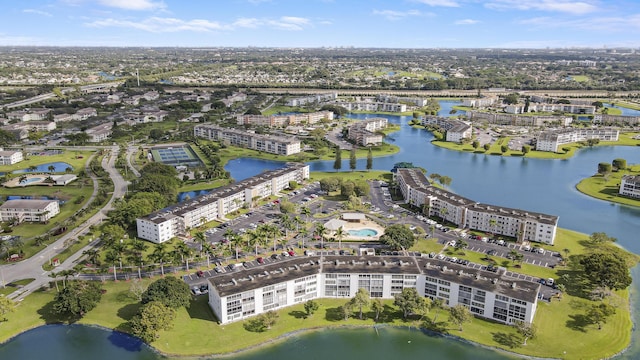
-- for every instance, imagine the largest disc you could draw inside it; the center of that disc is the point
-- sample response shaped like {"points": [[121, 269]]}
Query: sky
{"points": [[322, 23]]}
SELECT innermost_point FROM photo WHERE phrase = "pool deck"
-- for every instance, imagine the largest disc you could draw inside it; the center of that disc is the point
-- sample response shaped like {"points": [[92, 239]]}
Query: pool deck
{"points": [[366, 224], [15, 182]]}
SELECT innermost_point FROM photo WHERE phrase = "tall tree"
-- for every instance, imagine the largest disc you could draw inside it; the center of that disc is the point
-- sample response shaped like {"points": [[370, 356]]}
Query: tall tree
{"points": [[459, 315], [361, 299], [598, 313], [77, 298], [352, 159], [526, 330], [310, 307], [377, 307], [606, 269], [337, 164], [409, 301], [398, 237], [369, 159], [152, 318], [6, 306], [170, 291]]}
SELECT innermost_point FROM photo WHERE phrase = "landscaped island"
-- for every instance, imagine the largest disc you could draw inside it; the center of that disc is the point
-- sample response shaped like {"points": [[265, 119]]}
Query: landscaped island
{"points": [[605, 185]]}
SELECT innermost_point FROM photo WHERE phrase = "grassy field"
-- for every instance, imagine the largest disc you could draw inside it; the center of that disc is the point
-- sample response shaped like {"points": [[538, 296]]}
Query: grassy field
{"points": [[352, 175], [606, 188], [76, 159], [580, 78]]}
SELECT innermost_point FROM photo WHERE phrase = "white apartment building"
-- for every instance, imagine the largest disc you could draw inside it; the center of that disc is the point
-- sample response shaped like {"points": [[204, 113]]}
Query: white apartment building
{"points": [[167, 223], [415, 101], [314, 98], [266, 143], [630, 186], [372, 106], [538, 107], [456, 130], [29, 210], [363, 132], [615, 119], [100, 132], [551, 140], [479, 102], [242, 294], [517, 120], [29, 115], [284, 120], [10, 157], [466, 213]]}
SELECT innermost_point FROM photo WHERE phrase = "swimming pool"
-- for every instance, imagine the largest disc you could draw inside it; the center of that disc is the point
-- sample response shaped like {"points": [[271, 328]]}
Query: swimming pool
{"points": [[363, 232], [31, 180]]}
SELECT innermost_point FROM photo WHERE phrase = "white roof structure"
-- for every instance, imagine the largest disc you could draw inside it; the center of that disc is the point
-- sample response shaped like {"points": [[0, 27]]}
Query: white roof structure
{"points": [[334, 224], [353, 216]]}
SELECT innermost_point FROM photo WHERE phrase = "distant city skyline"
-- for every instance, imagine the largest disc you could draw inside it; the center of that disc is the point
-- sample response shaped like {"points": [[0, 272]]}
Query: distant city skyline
{"points": [[323, 23]]}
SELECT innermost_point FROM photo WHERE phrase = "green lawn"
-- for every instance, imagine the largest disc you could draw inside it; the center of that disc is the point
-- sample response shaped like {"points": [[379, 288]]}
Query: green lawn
{"points": [[606, 188], [75, 158], [426, 246], [352, 175], [580, 78]]}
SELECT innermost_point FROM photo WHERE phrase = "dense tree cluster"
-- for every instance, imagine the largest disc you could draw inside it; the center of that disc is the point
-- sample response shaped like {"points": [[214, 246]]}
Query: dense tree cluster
{"points": [[169, 291], [398, 237], [77, 298]]}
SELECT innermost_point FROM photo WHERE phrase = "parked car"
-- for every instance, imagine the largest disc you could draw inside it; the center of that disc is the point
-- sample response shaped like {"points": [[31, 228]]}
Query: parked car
{"points": [[260, 260], [200, 273]]}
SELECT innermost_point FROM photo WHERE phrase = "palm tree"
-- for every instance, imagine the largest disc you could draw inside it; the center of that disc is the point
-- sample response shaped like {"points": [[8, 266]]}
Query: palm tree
{"points": [[184, 252], [320, 232], [33, 168], [54, 275], [306, 212], [253, 239], [208, 250], [92, 256], [235, 240], [274, 230], [51, 168], [159, 255], [304, 232], [287, 224], [340, 233], [200, 238], [298, 221]]}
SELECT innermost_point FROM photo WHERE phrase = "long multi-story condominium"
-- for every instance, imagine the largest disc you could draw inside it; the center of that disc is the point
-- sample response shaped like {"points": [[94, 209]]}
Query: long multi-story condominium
{"points": [[456, 130], [266, 143], [10, 157], [480, 102], [363, 132], [630, 186], [29, 115], [31, 126], [242, 294], [615, 119], [167, 223], [29, 210], [537, 107], [465, 213], [314, 98], [551, 140], [550, 100], [372, 106], [284, 120], [518, 120], [415, 101]]}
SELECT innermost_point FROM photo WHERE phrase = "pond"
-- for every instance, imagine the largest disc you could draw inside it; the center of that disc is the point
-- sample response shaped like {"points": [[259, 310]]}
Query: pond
{"points": [[58, 167]]}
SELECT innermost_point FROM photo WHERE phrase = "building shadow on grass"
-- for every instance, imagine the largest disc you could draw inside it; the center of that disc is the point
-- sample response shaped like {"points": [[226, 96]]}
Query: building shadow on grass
{"points": [[199, 309], [511, 341]]}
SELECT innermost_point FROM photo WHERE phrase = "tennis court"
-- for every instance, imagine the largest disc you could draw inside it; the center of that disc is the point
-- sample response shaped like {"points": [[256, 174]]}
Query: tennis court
{"points": [[175, 155]]}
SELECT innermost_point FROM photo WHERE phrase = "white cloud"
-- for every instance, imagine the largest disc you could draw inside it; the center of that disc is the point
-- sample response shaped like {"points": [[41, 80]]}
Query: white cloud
{"points": [[37, 12], [290, 23], [466, 22], [134, 4], [166, 25], [445, 3], [565, 6], [397, 15], [160, 25]]}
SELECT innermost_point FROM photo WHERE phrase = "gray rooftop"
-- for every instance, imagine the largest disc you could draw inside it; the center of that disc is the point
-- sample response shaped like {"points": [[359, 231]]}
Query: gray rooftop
{"points": [[298, 267], [26, 204]]}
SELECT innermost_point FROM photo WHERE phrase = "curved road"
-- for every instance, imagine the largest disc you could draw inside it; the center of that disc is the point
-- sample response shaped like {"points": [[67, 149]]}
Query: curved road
{"points": [[32, 267]]}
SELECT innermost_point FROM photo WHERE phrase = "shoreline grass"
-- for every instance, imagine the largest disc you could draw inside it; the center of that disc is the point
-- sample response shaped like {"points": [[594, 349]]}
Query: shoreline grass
{"points": [[606, 188]]}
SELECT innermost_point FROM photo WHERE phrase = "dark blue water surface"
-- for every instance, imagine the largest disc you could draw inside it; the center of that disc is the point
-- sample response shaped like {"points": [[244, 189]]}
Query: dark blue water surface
{"points": [[624, 111], [59, 167]]}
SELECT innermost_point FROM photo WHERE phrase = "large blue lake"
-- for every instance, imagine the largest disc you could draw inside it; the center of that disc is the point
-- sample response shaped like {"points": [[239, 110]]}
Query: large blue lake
{"points": [[539, 185]]}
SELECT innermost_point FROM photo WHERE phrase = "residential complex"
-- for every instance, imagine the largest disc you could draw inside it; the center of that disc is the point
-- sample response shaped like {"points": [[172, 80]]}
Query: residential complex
{"points": [[10, 157], [415, 101], [364, 132], [540, 107], [456, 130], [480, 102], [167, 223], [372, 106], [279, 145], [241, 294], [29, 210], [630, 186], [518, 120], [551, 140], [314, 98], [284, 120], [615, 119], [468, 214]]}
